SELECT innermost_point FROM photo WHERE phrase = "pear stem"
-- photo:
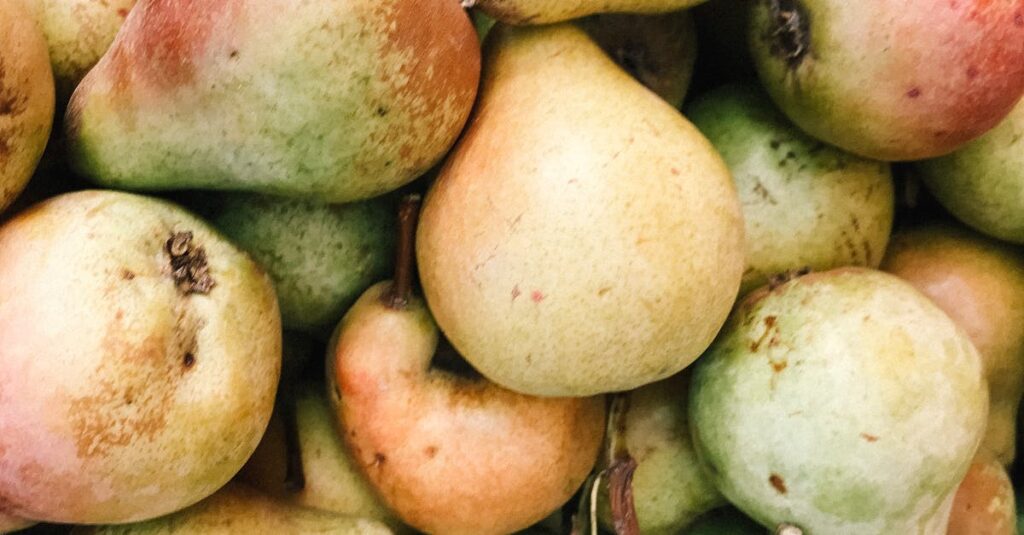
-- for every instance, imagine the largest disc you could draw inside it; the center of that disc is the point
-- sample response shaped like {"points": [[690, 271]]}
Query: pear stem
{"points": [[397, 297], [621, 466]]}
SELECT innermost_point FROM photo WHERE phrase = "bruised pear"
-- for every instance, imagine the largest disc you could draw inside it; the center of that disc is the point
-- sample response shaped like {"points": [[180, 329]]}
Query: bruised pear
{"points": [[979, 282], [841, 402], [336, 100], [867, 76], [582, 237], [547, 11], [140, 359], [26, 97], [984, 503]]}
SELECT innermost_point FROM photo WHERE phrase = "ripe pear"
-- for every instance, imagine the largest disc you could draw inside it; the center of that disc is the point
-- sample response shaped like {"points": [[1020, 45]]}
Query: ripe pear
{"points": [[841, 402], [984, 503], [140, 358], [239, 509], [670, 485], [78, 33], [857, 74], [320, 256], [337, 100], [26, 97], [331, 480], [982, 184], [447, 450], [805, 204], [658, 50], [583, 237], [547, 11], [979, 282]]}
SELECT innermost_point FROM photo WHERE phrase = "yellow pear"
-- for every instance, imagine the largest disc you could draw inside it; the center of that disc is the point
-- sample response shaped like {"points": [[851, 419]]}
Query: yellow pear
{"points": [[546, 11]]}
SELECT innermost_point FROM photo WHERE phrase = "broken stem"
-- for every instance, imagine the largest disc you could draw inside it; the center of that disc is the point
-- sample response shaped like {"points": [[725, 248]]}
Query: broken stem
{"points": [[405, 261]]}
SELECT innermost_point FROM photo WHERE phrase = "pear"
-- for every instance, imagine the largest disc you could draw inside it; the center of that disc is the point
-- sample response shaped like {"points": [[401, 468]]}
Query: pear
{"points": [[448, 451], [239, 509], [11, 524], [320, 256], [984, 503], [724, 521], [547, 11], [26, 97], [78, 33], [978, 282], [140, 359], [841, 402], [658, 50], [982, 184], [583, 237], [340, 100], [331, 480], [805, 204], [670, 486]]}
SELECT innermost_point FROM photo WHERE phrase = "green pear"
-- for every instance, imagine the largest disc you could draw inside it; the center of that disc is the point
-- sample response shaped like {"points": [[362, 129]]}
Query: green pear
{"points": [[805, 204], [140, 358], [320, 256], [984, 503], [78, 33], [26, 97], [583, 237], [337, 100], [979, 282], [670, 486], [447, 450], [982, 184], [331, 480], [239, 509], [658, 50], [547, 11], [724, 521], [841, 402]]}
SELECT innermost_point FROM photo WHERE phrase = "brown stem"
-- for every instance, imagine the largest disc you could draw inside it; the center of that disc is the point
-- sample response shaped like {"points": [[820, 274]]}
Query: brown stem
{"points": [[295, 477], [405, 261], [620, 496]]}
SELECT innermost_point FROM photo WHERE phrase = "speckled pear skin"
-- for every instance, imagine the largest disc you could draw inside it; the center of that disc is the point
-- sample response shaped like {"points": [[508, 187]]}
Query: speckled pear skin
{"points": [[855, 74], [583, 237], [979, 282], [129, 390], [982, 184], [26, 97], [320, 256], [338, 100], [844, 402], [984, 503], [671, 487], [451, 454], [548, 11], [805, 204], [239, 509]]}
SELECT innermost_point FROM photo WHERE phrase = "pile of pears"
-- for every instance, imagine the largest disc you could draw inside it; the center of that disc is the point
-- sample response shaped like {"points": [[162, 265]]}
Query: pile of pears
{"points": [[667, 267]]}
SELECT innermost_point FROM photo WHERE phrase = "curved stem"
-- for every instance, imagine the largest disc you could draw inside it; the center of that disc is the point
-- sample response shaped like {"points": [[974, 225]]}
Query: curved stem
{"points": [[400, 292], [621, 467]]}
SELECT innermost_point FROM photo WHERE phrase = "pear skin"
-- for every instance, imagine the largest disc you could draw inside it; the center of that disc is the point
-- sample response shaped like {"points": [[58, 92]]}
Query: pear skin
{"points": [[11, 524], [26, 97], [140, 360], [340, 100], [583, 237], [237, 509], [979, 282], [984, 503], [548, 11], [451, 454]]}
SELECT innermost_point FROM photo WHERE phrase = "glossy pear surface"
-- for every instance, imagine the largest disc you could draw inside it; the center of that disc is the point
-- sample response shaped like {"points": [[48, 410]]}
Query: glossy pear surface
{"points": [[26, 97], [547, 11], [140, 359], [843, 402], [448, 453], [583, 237], [979, 282], [337, 100]]}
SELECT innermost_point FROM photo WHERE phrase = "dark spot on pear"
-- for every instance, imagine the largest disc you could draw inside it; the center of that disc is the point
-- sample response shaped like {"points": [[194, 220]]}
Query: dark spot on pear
{"points": [[188, 360], [379, 459], [189, 268], [127, 274], [1018, 19], [972, 72], [778, 483], [431, 451], [869, 438], [789, 32], [914, 92]]}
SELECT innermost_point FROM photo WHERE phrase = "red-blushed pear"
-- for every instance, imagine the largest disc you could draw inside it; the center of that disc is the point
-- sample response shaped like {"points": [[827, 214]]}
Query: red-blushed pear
{"points": [[26, 97], [891, 79], [547, 11], [140, 358], [979, 282], [337, 100], [583, 237], [984, 503], [450, 453]]}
